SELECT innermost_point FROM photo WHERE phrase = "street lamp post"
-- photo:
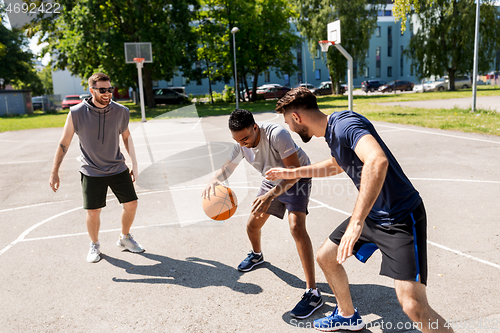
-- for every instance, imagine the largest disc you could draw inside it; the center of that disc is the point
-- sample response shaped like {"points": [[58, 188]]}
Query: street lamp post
{"points": [[234, 31]]}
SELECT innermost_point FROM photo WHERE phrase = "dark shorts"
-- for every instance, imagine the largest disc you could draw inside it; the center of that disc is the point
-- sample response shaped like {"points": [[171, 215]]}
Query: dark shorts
{"points": [[295, 199], [95, 189], [403, 245]]}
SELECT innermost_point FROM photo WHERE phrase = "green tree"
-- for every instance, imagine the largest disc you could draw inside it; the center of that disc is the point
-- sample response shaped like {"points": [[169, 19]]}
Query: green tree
{"points": [[358, 20], [89, 36], [402, 8], [45, 76], [265, 40], [17, 60], [444, 42], [213, 53]]}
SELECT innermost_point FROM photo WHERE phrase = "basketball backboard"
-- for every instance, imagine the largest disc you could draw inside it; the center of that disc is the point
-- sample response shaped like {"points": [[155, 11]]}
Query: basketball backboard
{"points": [[334, 31], [138, 50]]}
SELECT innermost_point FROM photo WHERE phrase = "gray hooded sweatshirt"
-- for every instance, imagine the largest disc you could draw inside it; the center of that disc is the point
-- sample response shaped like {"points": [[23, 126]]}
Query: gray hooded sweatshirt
{"points": [[99, 133]]}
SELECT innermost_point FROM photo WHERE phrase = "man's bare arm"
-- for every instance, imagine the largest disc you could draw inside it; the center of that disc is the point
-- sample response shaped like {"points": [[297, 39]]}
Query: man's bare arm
{"points": [[61, 151]]}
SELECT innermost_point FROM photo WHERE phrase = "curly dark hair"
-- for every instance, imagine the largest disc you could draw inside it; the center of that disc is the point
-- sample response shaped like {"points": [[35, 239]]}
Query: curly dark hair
{"points": [[240, 119], [297, 98]]}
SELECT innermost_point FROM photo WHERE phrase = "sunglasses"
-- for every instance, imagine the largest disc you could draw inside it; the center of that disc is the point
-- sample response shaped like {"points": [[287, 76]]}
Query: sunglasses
{"points": [[104, 90]]}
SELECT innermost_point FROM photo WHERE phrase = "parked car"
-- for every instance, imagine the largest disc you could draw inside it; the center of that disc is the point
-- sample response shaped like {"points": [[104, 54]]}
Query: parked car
{"points": [[371, 85], [396, 85], [307, 85], [461, 82], [272, 92], [70, 100], [169, 96], [37, 103], [422, 87], [325, 88]]}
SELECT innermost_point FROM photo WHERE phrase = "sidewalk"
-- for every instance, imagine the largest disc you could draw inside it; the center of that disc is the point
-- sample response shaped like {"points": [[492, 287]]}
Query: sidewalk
{"points": [[491, 103]]}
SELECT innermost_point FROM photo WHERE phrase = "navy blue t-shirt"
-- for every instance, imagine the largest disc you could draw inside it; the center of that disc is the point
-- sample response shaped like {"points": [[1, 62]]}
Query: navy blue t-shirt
{"points": [[398, 198]]}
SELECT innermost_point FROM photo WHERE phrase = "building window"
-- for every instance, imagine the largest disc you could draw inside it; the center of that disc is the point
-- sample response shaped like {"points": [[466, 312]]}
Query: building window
{"points": [[317, 74], [377, 32], [389, 51], [389, 32], [299, 77], [377, 61], [267, 77], [401, 62], [287, 79], [389, 71], [367, 72], [354, 69], [388, 13]]}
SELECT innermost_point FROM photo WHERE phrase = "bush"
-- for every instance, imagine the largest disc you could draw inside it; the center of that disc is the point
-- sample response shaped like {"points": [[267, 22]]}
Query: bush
{"points": [[228, 94]]}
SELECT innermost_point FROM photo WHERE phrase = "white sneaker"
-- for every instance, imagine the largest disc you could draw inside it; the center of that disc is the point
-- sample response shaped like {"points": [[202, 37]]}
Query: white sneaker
{"points": [[128, 243], [94, 252]]}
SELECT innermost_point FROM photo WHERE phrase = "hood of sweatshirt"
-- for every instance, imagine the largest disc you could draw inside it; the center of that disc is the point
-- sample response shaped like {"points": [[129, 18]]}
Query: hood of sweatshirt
{"points": [[101, 112]]}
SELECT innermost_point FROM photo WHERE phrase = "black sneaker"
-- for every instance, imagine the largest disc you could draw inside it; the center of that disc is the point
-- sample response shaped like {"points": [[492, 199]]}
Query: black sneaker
{"points": [[250, 262], [307, 305]]}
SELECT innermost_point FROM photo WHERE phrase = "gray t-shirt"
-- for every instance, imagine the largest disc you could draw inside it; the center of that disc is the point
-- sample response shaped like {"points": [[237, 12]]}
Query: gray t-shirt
{"points": [[99, 133], [275, 144]]}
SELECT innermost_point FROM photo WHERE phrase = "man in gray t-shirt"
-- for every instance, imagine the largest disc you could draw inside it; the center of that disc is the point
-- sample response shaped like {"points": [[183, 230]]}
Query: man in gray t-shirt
{"points": [[267, 146], [99, 122]]}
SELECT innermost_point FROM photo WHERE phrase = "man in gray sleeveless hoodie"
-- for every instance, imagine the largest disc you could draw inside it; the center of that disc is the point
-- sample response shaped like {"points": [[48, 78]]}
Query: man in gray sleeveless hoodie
{"points": [[99, 122]]}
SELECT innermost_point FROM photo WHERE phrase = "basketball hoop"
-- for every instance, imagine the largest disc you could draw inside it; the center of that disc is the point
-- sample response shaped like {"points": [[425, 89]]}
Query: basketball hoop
{"points": [[325, 44], [139, 60]]}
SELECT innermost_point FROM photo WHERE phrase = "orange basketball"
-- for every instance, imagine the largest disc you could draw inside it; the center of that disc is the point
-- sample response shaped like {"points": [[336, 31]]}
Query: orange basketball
{"points": [[222, 205]]}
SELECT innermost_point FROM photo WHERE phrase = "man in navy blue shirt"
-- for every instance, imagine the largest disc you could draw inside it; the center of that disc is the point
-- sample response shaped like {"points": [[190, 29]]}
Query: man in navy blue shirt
{"points": [[388, 215]]}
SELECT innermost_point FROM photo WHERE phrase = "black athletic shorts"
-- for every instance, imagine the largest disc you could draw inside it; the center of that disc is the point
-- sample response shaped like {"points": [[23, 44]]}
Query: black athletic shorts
{"points": [[95, 189], [403, 245]]}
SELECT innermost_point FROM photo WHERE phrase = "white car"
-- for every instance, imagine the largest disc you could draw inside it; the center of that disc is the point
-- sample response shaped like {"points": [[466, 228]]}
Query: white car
{"points": [[422, 87], [461, 82]]}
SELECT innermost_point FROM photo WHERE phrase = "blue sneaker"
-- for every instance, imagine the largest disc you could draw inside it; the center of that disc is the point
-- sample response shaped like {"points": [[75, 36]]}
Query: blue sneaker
{"points": [[250, 262], [307, 305], [335, 322]]}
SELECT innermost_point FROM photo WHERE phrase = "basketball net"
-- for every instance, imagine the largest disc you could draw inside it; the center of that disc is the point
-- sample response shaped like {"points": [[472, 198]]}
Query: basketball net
{"points": [[325, 44], [139, 62]]}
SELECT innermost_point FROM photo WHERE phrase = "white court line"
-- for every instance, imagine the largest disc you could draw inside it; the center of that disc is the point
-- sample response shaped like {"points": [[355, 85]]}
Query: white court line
{"points": [[464, 254], [428, 241], [391, 130], [441, 134], [30, 206], [182, 223], [459, 180], [22, 237], [27, 231]]}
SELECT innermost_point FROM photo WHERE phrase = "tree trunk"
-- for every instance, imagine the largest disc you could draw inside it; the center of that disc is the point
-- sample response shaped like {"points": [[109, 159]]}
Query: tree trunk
{"points": [[254, 85], [148, 88], [451, 79]]}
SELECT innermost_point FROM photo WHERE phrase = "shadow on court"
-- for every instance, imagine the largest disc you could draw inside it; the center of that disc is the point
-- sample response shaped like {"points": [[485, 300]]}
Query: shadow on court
{"points": [[370, 299], [191, 273]]}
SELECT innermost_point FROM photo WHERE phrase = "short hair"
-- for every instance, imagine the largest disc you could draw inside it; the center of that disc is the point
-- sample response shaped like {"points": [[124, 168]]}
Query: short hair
{"points": [[297, 98], [240, 119], [97, 77]]}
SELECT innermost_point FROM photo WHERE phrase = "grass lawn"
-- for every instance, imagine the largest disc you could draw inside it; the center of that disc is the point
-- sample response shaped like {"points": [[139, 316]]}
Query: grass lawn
{"points": [[484, 122]]}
